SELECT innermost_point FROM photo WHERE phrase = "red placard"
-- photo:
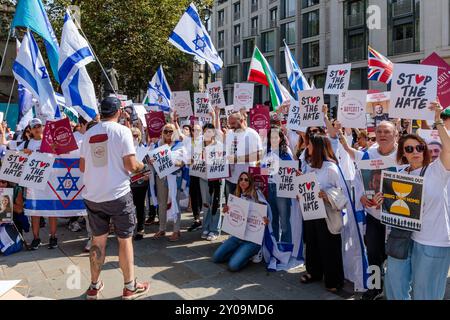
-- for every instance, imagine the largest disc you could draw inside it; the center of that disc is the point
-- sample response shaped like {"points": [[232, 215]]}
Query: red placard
{"points": [[443, 77], [261, 181], [155, 123], [260, 118], [59, 135]]}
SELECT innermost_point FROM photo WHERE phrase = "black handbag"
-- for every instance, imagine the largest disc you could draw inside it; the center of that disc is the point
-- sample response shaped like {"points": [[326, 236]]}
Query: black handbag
{"points": [[399, 241]]}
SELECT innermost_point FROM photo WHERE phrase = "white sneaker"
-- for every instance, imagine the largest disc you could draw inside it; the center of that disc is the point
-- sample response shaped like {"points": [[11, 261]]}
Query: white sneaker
{"points": [[205, 234], [212, 236], [257, 258]]}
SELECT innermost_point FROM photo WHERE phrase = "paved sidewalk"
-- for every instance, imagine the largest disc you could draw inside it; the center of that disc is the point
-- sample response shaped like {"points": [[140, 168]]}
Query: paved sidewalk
{"points": [[180, 270]]}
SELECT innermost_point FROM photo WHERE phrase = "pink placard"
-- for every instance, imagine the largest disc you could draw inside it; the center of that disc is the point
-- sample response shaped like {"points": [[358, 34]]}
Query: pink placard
{"points": [[155, 123], [261, 181], [260, 118], [443, 77], [62, 136]]}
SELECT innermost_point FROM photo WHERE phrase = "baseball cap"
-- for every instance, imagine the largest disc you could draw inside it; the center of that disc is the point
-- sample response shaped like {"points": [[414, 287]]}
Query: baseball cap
{"points": [[110, 105], [34, 123]]}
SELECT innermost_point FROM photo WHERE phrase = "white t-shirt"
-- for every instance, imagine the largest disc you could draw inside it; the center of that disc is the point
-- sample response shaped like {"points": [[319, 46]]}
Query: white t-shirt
{"points": [[328, 176], [242, 143], [33, 145], [435, 214], [78, 138], [103, 149], [359, 187]]}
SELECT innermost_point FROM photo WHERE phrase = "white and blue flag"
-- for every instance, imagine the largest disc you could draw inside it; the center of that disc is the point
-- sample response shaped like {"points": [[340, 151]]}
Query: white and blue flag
{"points": [[191, 36], [76, 85], [296, 79], [30, 71], [25, 101], [158, 91]]}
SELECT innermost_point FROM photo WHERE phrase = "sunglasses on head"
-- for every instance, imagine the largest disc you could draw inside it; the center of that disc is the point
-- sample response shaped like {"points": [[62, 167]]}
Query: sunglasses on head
{"points": [[419, 148], [244, 179], [167, 131]]}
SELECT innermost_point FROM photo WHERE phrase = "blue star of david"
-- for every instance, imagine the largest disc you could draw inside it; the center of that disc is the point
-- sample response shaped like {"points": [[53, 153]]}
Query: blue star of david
{"points": [[158, 87], [200, 43], [72, 182], [44, 72]]}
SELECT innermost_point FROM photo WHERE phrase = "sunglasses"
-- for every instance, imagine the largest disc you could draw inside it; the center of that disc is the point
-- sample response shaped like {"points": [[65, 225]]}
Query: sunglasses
{"points": [[314, 131], [373, 139], [244, 179], [135, 136], [419, 148], [168, 131]]}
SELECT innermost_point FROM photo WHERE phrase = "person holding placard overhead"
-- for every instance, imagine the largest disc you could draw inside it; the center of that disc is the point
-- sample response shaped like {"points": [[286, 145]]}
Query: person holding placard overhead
{"points": [[425, 264], [323, 248], [235, 251]]}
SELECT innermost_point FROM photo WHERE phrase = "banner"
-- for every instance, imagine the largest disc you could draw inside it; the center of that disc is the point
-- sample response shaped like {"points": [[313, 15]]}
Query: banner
{"points": [[338, 78], [254, 229], [414, 87], [217, 166], [311, 103], [163, 162], [261, 180], [371, 174], [235, 221], [352, 109], [215, 95], [403, 200], [62, 194], [36, 171], [6, 204], [443, 82], [155, 122], [294, 119], [311, 205], [286, 179], [243, 96], [181, 101], [12, 166], [202, 108]]}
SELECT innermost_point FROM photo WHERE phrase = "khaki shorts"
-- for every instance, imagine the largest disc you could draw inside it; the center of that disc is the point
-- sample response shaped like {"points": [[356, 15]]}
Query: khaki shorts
{"points": [[120, 212]]}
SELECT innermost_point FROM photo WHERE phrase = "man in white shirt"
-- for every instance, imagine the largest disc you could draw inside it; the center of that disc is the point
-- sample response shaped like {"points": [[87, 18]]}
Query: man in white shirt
{"points": [[107, 157]]}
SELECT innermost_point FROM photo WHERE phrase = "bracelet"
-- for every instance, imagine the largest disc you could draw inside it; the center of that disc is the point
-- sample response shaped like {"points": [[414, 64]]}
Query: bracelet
{"points": [[440, 122]]}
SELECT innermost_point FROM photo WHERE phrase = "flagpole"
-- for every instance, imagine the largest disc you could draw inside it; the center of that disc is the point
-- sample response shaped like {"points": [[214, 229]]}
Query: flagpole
{"points": [[6, 48], [9, 100]]}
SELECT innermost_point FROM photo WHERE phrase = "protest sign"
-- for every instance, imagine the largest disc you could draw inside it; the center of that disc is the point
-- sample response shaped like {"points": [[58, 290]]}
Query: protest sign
{"points": [[12, 166], [224, 114], [140, 111], [443, 82], [6, 204], [202, 108], [163, 162], [378, 106], [414, 87], [198, 166], [217, 166], [294, 120], [254, 229], [47, 140], [352, 109], [371, 174], [338, 78], [311, 205], [235, 220], [310, 104], [181, 102], [36, 171], [260, 118], [243, 96], [155, 123], [215, 95], [261, 180], [403, 200], [286, 179], [62, 136], [429, 135]]}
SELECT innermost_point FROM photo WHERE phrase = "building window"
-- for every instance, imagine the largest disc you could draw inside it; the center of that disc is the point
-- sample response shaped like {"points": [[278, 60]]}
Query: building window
{"points": [[358, 79], [268, 41], [254, 26], [237, 33], [249, 46], [288, 32], [245, 68], [237, 54], [309, 3], [355, 13], [311, 24], [221, 18], [311, 54], [283, 60], [221, 39], [404, 26], [355, 31], [254, 5], [271, 61], [288, 8], [356, 47], [273, 17], [222, 55], [237, 10], [232, 75]]}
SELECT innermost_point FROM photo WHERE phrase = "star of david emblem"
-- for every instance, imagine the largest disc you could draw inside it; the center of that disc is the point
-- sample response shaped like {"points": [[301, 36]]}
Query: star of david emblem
{"points": [[67, 184], [158, 87], [200, 43], [44, 72]]}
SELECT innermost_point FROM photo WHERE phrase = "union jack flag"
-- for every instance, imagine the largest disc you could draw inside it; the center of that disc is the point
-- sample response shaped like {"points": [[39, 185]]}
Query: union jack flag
{"points": [[380, 67]]}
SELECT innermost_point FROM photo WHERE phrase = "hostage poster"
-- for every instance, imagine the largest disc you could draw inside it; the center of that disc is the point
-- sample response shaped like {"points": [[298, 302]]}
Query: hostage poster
{"points": [[403, 200], [6, 204], [370, 171], [261, 180]]}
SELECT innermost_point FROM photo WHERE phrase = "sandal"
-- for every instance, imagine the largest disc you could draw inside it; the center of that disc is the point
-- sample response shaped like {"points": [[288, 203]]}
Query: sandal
{"points": [[306, 278], [175, 236], [158, 235]]}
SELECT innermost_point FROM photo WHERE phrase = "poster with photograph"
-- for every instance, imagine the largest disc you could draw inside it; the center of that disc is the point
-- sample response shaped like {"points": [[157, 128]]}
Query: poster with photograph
{"points": [[235, 220], [37, 170], [378, 106], [311, 205], [371, 174], [338, 78], [6, 204], [352, 109]]}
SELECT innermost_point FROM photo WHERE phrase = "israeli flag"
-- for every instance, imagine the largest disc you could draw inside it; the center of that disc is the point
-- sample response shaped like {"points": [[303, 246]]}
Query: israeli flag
{"points": [[159, 92], [190, 36], [30, 71], [25, 101], [76, 85], [296, 79]]}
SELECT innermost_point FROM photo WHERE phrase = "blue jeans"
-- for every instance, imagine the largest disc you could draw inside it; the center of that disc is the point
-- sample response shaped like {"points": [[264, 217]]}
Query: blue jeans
{"points": [[237, 252], [424, 271], [210, 220], [281, 212]]}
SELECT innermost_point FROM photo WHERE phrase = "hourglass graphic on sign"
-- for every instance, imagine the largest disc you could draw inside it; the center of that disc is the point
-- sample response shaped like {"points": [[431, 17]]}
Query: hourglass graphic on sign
{"points": [[402, 190]]}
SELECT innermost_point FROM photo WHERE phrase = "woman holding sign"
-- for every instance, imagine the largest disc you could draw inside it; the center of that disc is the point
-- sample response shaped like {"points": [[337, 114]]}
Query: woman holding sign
{"points": [[424, 267], [323, 249], [234, 250]]}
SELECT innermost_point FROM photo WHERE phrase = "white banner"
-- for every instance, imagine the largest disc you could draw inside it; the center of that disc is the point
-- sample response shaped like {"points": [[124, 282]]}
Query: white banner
{"points": [[36, 171], [202, 108], [217, 166], [352, 109], [254, 230]]}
